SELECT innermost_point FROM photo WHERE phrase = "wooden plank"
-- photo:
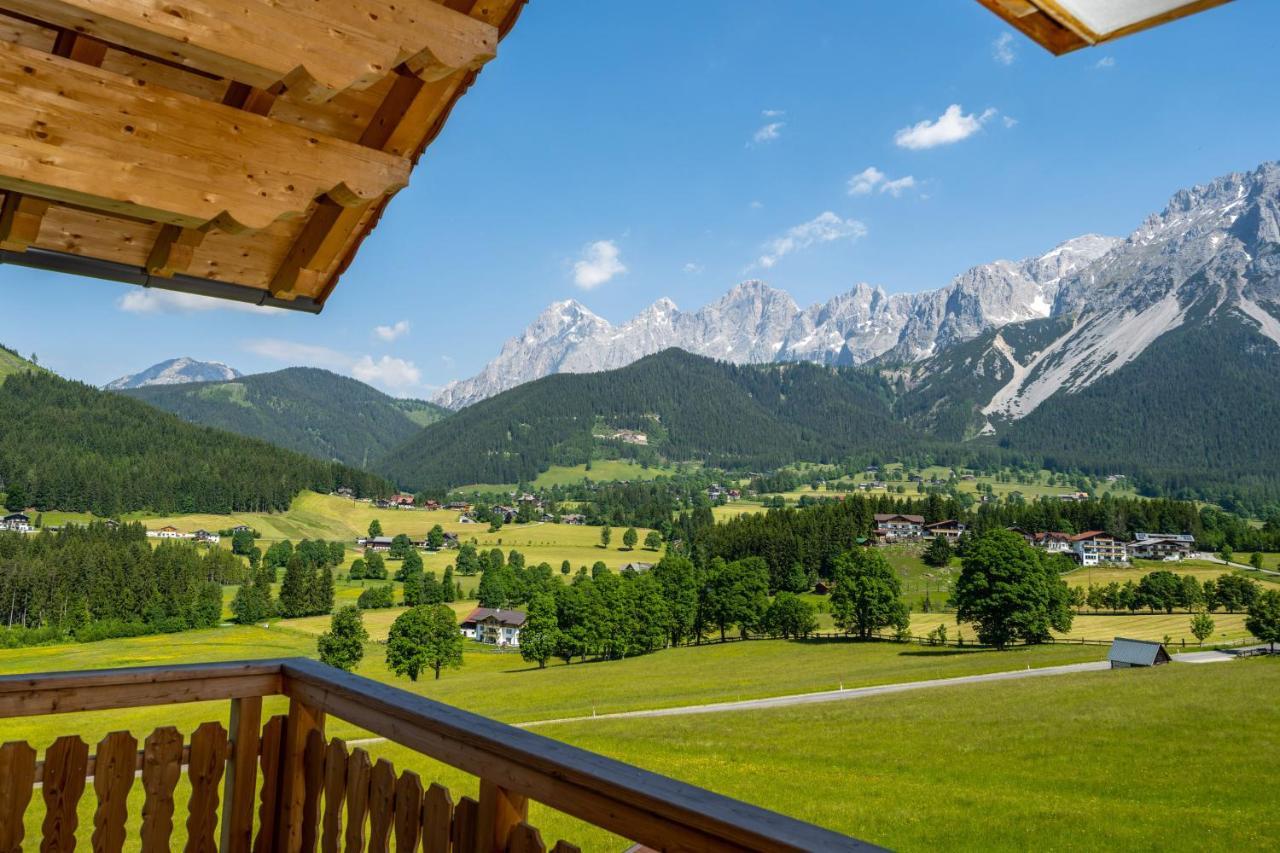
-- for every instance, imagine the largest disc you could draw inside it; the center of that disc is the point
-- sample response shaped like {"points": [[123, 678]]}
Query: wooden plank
{"points": [[79, 47], [269, 755], [102, 141], [101, 690], [17, 778], [65, 767], [315, 48], [382, 797], [525, 839], [501, 811], [242, 775], [20, 219], [409, 810], [302, 721], [437, 819], [563, 846], [161, 767], [313, 778], [205, 767], [174, 250], [358, 773], [631, 802], [466, 818], [113, 773], [335, 795]]}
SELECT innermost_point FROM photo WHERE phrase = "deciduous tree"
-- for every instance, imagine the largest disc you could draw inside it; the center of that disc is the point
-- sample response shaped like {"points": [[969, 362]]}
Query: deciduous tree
{"points": [[343, 644], [424, 638], [867, 596], [1008, 590]]}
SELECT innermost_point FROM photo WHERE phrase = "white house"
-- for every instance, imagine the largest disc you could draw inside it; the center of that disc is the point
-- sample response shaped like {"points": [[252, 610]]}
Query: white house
{"points": [[19, 522], [1053, 542], [167, 532], [496, 627], [1162, 546], [1094, 547], [896, 526]]}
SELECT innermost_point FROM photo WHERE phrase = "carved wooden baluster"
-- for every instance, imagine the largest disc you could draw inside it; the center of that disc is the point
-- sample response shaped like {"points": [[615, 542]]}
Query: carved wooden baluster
{"points": [[161, 767], [66, 764], [113, 774], [17, 784]]}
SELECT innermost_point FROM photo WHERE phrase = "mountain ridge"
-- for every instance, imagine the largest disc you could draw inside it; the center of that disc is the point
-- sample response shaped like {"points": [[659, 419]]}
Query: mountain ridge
{"points": [[175, 371]]}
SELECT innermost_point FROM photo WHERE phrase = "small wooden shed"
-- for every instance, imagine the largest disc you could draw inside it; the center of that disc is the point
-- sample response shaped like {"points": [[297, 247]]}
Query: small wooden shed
{"points": [[1127, 653]]}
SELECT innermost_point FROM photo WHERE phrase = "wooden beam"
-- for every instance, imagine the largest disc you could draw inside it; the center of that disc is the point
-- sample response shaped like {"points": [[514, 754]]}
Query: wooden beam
{"points": [[81, 135], [20, 220], [315, 48], [302, 721]]}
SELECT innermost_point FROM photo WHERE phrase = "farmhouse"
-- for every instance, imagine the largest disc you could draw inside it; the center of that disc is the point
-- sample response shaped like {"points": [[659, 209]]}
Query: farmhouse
{"points": [[1126, 653], [495, 627], [402, 500], [1095, 547], [167, 532], [951, 530], [345, 492], [1161, 546], [242, 528], [375, 543], [18, 521], [206, 537], [896, 526], [1053, 542], [573, 518]]}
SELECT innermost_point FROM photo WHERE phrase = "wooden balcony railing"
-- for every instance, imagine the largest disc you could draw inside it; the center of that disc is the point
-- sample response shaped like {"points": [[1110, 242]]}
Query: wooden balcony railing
{"points": [[310, 792]]}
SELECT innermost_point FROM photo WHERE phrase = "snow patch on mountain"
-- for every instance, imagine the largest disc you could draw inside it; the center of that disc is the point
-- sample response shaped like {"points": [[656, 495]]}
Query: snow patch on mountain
{"points": [[176, 371]]}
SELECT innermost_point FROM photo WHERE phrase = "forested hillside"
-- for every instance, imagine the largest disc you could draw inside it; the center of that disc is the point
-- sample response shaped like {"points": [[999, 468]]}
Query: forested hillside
{"points": [[311, 411], [69, 446], [688, 407]]}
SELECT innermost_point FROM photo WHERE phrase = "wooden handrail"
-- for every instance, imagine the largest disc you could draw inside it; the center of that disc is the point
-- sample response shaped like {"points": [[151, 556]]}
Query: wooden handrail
{"points": [[645, 807]]}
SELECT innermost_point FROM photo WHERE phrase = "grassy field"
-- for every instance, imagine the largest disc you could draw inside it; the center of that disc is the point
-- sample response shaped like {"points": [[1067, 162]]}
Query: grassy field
{"points": [[1156, 759], [602, 470], [1228, 627], [1202, 570]]}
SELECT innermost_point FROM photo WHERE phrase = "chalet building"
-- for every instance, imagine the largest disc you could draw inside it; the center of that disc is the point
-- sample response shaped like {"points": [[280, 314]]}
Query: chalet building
{"points": [[895, 526], [1094, 548], [345, 492], [1053, 542], [506, 513], [18, 522], [459, 506], [242, 528], [1161, 546], [167, 532], [1074, 496], [496, 627], [375, 543], [1126, 653], [573, 518], [451, 540], [382, 503], [402, 500], [638, 568], [951, 530], [431, 506], [206, 537]]}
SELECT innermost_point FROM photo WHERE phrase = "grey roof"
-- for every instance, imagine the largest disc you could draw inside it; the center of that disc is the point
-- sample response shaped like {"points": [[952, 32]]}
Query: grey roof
{"points": [[512, 618], [1136, 652]]}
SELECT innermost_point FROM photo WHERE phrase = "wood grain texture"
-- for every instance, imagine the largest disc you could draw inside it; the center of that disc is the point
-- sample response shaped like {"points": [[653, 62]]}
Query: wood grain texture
{"points": [[437, 819], [114, 767], [315, 48], [161, 767], [209, 750], [21, 218], [268, 802], [65, 764], [501, 810], [359, 771], [313, 787], [303, 719], [382, 794], [335, 795], [17, 778], [525, 839], [242, 775], [409, 811], [466, 817], [86, 136]]}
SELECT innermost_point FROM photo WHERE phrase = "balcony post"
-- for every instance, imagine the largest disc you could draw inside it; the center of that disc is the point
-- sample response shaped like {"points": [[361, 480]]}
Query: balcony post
{"points": [[500, 812], [303, 719], [245, 727]]}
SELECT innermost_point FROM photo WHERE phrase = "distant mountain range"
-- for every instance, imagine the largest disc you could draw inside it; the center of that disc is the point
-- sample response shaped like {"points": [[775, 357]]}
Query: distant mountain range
{"points": [[305, 409], [754, 324], [175, 371]]}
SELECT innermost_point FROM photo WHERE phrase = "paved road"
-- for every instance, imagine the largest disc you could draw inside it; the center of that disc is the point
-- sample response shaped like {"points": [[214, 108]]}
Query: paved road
{"points": [[834, 695]]}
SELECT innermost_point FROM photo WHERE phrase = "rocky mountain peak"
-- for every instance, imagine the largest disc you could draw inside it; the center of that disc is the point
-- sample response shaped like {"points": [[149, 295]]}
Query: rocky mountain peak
{"points": [[176, 371]]}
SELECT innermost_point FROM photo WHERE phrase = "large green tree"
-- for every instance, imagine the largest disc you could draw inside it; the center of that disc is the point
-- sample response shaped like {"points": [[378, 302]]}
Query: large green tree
{"points": [[1263, 620], [1010, 592], [867, 595], [343, 644], [540, 635], [424, 638]]}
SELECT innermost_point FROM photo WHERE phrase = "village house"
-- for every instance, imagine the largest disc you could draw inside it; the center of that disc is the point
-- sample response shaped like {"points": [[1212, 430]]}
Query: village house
{"points": [[1161, 546], [506, 513], [375, 543], [950, 529], [1053, 542], [496, 627], [638, 568], [241, 528], [1095, 547], [19, 522], [167, 532], [206, 537], [431, 506], [402, 500], [344, 492], [1074, 496], [897, 526], [573, 518]]}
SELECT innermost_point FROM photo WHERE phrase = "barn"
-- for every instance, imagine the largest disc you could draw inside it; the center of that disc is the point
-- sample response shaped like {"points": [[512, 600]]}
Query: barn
{"points": [[1127, 653]]}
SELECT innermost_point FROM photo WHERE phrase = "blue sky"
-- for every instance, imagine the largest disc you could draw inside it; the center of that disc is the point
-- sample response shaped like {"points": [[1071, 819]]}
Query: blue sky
{"points": [[617, 153]]}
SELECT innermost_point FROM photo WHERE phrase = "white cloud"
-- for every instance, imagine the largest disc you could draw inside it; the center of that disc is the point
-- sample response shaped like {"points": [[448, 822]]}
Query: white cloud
{"points": [[1105, 62], [870, 178], [600, 262], [1002, 49], [389, 333], [1009, 121], [692, 269], [773, 113], [950, 127], [157, 301], [395, 374], [768, 133], [824, 228], [865, 181], [895, 188], [292, 352]]}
